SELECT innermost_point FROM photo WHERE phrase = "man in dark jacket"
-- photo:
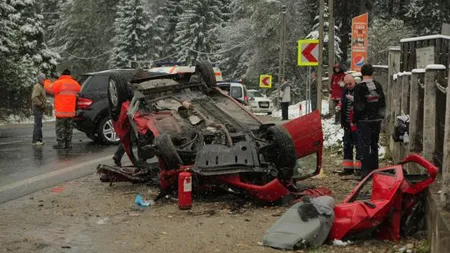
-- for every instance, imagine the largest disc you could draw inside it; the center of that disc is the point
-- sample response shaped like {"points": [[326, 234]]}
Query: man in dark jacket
{"points": [[369, 110], [345, 107]]}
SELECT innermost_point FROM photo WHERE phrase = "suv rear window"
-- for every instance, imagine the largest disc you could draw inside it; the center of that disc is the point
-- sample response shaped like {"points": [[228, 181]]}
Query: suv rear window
{"points": [[96, 83]]}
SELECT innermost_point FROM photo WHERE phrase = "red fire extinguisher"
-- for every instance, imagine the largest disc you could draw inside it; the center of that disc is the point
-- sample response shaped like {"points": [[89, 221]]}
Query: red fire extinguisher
{"points": [[185, 190]]}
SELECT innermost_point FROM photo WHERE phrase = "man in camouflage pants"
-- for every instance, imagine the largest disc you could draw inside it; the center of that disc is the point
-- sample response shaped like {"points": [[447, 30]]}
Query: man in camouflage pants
{"points": [[64, 129]]}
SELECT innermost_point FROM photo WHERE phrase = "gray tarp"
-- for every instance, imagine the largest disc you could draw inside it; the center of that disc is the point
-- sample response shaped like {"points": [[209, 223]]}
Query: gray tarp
{"points": [[291, 232]]}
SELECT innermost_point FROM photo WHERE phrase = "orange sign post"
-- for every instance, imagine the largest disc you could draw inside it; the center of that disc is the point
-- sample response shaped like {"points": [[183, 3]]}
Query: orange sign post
{"points": [[360, 27]]}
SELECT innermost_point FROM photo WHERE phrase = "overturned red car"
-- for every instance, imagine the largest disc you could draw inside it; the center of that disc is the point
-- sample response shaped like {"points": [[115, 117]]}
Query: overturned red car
{"points": [[387, 204], [189, 124]]}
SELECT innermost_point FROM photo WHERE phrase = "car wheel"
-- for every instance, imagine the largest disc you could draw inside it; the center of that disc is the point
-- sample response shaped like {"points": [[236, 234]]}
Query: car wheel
{"points": [[118, 92], [106, 132], [205, 71], [167, 152], [283, 155]]}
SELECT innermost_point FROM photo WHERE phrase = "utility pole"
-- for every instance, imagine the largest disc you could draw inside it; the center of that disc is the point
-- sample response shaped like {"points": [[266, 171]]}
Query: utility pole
{"points": [[331, 48], [282, 51], [320, 65], [330, 38]]}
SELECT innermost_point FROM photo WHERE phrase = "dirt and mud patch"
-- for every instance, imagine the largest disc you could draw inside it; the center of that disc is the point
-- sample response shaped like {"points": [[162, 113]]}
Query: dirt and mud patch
{"points": [[86, 215]]}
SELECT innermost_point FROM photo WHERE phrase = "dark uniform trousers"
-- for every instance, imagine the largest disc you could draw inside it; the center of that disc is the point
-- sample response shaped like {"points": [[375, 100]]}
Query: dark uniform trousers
{"points": [[368, 134]]}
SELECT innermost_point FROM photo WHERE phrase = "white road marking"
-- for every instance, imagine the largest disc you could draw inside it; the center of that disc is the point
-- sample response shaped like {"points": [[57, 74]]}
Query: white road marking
{"points": [[11, 142], [53, 173]]}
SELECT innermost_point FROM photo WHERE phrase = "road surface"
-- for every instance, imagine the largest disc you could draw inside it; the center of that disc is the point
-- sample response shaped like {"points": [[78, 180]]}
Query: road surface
{"points": [[25, 168]]}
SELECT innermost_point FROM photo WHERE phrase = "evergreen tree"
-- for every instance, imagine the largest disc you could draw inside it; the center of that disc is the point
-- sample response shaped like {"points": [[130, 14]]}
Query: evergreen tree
{"points": [[426, 17], [314, 34], [83, 34], [6, 28], [197, 30], [156, 45], [170, 13], [382, 35], [130, 45]]}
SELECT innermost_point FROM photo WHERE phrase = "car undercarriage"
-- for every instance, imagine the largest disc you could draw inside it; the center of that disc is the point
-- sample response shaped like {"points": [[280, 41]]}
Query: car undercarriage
{"points": [[189, 124]]}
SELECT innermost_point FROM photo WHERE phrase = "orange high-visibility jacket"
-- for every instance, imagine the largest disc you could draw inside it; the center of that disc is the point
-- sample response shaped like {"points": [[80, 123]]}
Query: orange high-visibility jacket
{"points": [[65, 91]]}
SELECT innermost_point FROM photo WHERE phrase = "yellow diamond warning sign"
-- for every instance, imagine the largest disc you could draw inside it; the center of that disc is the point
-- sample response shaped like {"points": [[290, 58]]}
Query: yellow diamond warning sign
{"points": [[265, 81]]}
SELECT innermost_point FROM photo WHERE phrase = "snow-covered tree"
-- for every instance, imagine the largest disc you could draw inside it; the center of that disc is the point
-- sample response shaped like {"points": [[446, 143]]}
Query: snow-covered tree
{"points": [[130, 45], [383, 34], [154, 40], [170, 13], [6, 28], [426, 17], [314, 34], [35, 56], [83, 34], [197, 30]]}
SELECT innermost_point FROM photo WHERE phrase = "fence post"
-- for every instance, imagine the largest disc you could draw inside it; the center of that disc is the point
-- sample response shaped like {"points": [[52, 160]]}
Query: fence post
{"points": [[429, 113], [393, 69], [398, 96], [405, 92], [414, 109], [445, 193]]}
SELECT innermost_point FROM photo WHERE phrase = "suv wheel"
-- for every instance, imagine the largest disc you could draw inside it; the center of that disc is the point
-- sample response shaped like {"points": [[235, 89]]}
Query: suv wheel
{"points": [[118, 92], [106, 132], [205, 71]]}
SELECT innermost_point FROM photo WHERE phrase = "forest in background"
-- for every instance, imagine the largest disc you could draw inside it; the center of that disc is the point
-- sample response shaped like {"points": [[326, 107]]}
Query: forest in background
{"points": [[239, 36]]}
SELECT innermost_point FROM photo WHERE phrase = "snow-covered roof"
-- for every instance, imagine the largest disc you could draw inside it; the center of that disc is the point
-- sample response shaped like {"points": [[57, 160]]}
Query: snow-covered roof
{"points": [[394, 76], [381, 66], [435, 66], [418, 71], [406, 73], [400, 74], [394, 48], [429, 37]]}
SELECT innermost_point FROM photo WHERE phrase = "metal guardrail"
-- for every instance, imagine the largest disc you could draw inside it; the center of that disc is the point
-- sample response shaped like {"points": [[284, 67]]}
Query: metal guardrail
{"points": [[440, 87], [422, 85]]}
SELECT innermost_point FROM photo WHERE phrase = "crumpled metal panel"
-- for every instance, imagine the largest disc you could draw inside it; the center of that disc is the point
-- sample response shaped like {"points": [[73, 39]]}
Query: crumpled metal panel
{"points": [[217, 159]]}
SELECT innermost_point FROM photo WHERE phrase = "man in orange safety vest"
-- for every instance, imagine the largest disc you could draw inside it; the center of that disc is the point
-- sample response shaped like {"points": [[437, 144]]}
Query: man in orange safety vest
{"points": [[65, 91]]}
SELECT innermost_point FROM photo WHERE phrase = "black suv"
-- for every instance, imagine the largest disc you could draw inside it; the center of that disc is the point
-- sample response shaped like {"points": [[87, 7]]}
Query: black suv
{"points": [[92, 116]]}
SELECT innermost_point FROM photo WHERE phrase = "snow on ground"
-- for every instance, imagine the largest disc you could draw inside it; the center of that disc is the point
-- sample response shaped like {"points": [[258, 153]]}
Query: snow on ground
{"points": [[13, 119]]}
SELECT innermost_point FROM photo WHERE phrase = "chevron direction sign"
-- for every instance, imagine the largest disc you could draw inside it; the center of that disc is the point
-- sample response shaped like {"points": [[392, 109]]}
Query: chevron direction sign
{"points": [[308, 53]]}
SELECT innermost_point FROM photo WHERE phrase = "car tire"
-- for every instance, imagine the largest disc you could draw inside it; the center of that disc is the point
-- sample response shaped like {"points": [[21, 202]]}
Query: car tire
{"points": [[206, 72], [284, 156], [167, 152], [106, 132], [118, 92]]}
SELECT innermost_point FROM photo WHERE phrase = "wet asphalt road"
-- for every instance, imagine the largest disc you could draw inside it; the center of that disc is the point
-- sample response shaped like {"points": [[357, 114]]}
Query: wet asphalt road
{"points": [[25, 168]]}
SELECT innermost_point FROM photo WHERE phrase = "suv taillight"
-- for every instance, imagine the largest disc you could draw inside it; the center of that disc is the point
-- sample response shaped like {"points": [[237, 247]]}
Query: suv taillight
{"points": [[83, 103]]}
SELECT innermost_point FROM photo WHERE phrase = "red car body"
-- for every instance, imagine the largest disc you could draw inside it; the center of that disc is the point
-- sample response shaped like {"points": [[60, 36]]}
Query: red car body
{"points": [[391, 208], [305, 132]]}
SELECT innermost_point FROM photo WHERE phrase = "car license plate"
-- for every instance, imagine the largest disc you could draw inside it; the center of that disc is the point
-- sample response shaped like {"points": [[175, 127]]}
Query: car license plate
{"points": [[264, 104]]}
